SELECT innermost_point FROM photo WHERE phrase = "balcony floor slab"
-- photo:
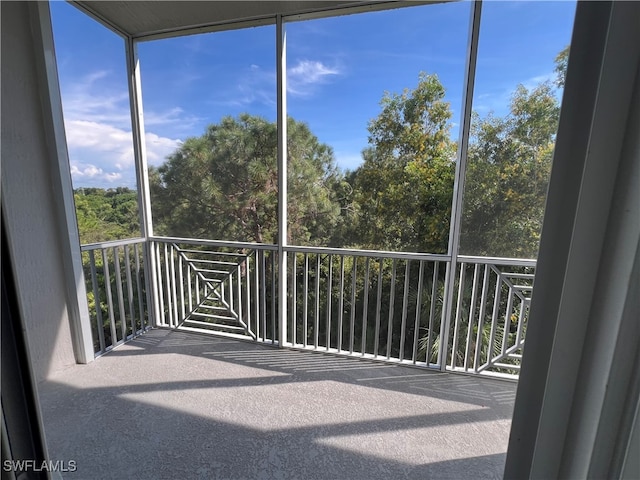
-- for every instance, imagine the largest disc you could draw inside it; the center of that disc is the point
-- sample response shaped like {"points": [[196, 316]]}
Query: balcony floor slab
{"points": [[175, 405]]}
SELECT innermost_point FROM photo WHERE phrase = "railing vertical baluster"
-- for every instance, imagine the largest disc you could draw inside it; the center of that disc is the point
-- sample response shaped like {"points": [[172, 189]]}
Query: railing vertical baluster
{"points": [[239, 282], [365, 306], [392, 297], [190, 280], [231, 292], [96, 299], [352, 321], [341, 304], [160, 292], [404, 308], [274, 303], [416, 324], [329, 288], [481, 314], [123, 319], [294, 307], [494, 319], [472, 308], [107, 282], [305, 301], [378, 308], [174, 290], [524, 305], [183, 313], [456, 324], [247, 272], [151, 273], [316, 318], [263, 296], [168, 285], [127, 266], [256, 300], [507, 321], [197, 285], [139, 289], [432, 311]]}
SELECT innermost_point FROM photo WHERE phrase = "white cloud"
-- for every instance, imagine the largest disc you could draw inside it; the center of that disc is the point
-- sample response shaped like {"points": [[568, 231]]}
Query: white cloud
{"points": [[307, 73], [158, 148], [93, 175], [253, 85], [98, 129]]}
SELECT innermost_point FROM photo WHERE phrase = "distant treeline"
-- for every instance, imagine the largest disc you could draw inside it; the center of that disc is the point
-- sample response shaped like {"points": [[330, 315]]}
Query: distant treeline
{"points": [[106, 214]]}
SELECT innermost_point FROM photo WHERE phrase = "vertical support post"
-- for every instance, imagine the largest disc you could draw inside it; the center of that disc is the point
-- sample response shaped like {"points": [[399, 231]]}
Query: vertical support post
{"points": [[458, 186], [281, 70], [75, 287], [142, 177]]}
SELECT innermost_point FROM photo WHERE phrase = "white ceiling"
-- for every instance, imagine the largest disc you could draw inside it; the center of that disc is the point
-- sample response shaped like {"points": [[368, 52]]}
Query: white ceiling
{"points": [[156, 17]]}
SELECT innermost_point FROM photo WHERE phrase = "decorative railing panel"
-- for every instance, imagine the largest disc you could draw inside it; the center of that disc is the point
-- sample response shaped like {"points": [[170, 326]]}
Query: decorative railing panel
{"points": [[491, 298], [223, 287]]}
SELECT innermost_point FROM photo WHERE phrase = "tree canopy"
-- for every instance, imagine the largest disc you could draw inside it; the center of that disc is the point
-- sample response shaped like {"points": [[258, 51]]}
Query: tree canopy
{"points": [[224, 184], [104, 215], [404, 187], [508, 169]]}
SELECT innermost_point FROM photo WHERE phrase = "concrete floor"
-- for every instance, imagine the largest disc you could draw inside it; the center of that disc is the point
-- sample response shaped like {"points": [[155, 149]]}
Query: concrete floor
{"points": [[174, 405]]}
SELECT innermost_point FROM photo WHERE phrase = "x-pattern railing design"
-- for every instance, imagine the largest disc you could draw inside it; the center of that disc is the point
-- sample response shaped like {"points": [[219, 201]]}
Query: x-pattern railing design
{"points": [[206, 291], [492, 309]]}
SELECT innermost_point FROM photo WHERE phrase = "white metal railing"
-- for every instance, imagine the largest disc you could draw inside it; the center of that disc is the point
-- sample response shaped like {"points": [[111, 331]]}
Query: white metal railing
{"points": [[374, 304], [116, 287], [379, 305], [489, 324], [223, 287]]}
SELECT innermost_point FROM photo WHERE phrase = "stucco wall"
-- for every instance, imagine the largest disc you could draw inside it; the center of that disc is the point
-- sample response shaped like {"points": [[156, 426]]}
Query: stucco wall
{"points": [[28, 199]]}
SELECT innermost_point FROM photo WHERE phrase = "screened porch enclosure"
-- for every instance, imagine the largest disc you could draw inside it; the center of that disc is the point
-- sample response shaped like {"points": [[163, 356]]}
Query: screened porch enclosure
{"points": [[443, 311]]}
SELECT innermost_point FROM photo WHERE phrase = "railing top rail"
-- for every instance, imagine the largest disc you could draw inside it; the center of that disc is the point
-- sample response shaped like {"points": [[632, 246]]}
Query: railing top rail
{"points": [[368, 253], [215, 243], [110, 244], [515, 262]]}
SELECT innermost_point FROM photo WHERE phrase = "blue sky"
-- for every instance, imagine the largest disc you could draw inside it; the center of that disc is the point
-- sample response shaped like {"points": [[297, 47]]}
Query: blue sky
{"points": [[337, 71]]}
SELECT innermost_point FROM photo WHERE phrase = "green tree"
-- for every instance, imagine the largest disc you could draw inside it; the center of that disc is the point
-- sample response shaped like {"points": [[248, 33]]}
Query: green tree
{"points": [[562, 60], [104, 215], [508, 170], [224, 184], [404, 187]]}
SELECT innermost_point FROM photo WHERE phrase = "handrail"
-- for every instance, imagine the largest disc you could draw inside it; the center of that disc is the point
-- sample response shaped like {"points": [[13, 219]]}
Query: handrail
{"points": [[111, 243], [368, 253], [512, 262], [215, 243]]}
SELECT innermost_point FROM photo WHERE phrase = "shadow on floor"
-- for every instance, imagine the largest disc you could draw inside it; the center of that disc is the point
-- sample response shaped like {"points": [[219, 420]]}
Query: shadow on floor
{"points": [[174, 405]]}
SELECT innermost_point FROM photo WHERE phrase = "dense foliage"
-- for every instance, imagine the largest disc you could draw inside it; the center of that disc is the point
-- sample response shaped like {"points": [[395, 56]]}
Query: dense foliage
{"points": [[106, 214], [509, 164], [404, 187], [224, 184]]}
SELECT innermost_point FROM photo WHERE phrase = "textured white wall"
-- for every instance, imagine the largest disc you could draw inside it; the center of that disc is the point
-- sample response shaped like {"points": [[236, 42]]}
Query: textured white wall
{"points": [[28, 199]]}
